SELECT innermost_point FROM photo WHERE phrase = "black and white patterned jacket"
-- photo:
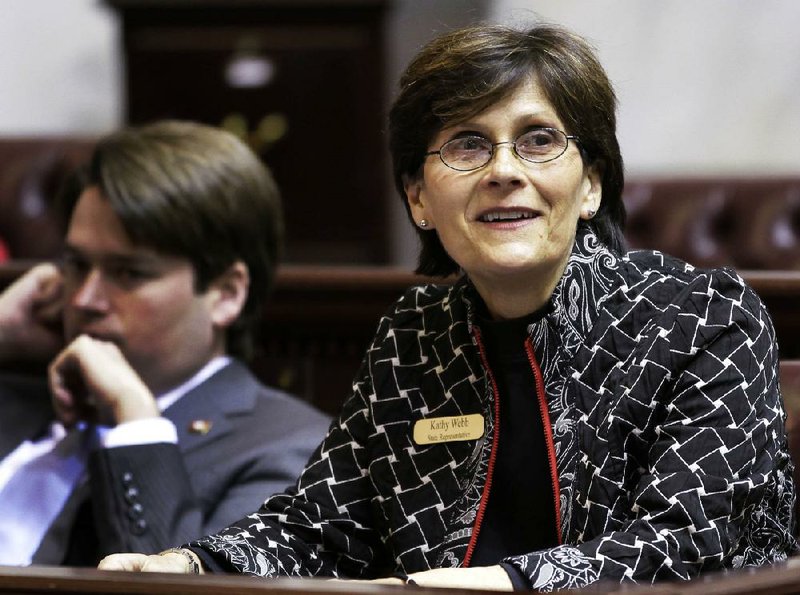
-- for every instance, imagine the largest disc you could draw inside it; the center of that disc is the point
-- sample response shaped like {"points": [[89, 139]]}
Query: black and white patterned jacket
{"points": [[664, 421]]}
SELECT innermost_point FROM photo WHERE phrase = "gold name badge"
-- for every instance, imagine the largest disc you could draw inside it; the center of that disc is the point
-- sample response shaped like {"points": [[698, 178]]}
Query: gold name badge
{"points": [[432, 430]]}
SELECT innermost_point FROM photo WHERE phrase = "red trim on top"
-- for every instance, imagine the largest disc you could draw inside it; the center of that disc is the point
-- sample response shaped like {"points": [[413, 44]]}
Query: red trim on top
{"points": [[476, 528], [548, 434]]}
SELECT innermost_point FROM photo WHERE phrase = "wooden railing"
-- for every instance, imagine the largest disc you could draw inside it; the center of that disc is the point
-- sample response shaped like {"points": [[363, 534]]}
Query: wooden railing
{"points": [[319, 321]]}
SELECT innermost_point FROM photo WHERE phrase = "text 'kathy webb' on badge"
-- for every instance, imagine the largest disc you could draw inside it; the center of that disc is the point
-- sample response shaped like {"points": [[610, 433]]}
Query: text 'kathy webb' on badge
{"points": [[432, 430]]}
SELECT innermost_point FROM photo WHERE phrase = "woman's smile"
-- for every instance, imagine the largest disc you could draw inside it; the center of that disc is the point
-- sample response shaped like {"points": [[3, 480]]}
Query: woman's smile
{"points": [[507, 218]]}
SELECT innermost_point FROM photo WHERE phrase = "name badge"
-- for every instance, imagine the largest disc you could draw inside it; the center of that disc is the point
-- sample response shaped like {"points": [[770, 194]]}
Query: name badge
{"points": [[432, 430]]}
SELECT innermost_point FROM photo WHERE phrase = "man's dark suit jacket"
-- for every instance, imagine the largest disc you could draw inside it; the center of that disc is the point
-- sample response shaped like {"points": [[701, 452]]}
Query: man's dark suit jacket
{"points": [[238, 443]]}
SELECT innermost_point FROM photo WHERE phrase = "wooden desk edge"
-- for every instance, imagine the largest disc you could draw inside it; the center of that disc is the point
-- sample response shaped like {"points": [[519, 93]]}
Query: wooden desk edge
{"points": [[54, 579], [776, 579]]}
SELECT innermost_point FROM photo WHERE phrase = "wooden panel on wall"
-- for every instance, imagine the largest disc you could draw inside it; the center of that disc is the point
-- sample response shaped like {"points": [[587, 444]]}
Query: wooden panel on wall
{"points": [[301, 81]]}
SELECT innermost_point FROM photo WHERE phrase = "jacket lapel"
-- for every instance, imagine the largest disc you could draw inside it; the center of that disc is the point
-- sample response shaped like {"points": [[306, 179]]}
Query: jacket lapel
{"points": [[202, 414]]}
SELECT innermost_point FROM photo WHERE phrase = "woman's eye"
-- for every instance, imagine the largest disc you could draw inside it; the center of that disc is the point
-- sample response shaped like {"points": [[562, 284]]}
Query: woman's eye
{"points": [[467, 144], [536, 139]]}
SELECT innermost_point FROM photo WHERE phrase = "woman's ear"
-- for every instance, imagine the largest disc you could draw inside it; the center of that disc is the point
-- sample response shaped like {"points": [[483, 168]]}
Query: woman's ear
{"points": [[227, 294], [415, 195], [593, 190]]}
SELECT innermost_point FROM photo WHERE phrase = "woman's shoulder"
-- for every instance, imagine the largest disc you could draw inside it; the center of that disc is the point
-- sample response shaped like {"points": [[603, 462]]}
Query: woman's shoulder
{"points": [[425, 301], [653, 273], [689, 307], [424, 295], [425, 310]]}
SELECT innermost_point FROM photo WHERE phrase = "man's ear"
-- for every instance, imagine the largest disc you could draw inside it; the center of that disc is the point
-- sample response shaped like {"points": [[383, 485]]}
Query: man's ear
{"points": [[227, 294]]}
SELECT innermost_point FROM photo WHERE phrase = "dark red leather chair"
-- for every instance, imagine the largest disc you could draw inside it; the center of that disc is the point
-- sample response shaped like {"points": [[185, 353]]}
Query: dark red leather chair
{"points": [[747, 223]]}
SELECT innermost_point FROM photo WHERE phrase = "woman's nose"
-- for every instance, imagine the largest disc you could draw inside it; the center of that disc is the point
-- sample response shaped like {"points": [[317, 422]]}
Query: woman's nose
{"points": [[505, 166]]}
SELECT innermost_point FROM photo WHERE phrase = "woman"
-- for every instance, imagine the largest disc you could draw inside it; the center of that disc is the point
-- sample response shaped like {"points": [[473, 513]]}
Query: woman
{"points": [[562, 413]]}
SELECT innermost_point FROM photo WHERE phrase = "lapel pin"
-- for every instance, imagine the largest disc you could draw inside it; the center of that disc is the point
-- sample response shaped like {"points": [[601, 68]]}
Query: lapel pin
{"points": [[200, 426]]}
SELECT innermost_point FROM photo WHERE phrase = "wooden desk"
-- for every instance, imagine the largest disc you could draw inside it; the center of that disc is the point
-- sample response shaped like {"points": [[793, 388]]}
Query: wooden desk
{"points": [[73, 581], [776, 580]]}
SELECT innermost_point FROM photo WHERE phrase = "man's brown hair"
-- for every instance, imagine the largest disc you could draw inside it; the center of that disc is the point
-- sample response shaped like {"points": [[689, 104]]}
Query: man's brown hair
{"points": [[197, 192]]}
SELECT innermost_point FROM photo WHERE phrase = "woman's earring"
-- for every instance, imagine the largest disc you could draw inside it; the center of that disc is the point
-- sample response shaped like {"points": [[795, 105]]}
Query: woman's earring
{"points": [[423, 223], [590, 213]]}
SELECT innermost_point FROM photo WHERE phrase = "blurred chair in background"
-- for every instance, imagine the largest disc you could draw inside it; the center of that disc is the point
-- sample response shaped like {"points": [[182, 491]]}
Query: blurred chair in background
{"points": [[31, 173], [747, 223]]}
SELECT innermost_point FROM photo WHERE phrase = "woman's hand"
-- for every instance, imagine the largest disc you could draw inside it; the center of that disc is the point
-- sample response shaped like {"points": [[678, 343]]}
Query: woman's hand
{"points": [[490, 578], [173, 561]]}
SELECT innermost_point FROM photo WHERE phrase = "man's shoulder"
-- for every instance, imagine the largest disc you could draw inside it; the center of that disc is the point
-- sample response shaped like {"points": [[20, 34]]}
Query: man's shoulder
{"points": [[244, 392], [273, 401]]}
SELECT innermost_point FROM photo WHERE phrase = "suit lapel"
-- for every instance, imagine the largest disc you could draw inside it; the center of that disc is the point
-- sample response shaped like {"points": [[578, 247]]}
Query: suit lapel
{"points": [[202, 414]]}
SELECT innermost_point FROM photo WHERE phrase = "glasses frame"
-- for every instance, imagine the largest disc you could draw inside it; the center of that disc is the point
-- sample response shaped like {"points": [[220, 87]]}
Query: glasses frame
{"points": [[513, 143]]}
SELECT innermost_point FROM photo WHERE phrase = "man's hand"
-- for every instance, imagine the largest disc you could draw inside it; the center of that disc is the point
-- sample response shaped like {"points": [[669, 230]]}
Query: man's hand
{"points": [[30, 315], [91, 380], [174, 562]]}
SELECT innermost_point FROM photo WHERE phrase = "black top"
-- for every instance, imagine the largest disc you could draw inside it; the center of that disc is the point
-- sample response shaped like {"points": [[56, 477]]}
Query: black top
{"points": [[520, 515]]}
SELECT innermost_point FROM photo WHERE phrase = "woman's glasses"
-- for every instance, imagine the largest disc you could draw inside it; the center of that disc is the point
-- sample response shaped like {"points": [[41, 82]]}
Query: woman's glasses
{"points": [[537, 145]]}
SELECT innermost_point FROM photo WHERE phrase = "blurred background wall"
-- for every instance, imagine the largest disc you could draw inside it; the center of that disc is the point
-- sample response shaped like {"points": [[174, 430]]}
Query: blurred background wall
{"points": [[60, 68], [705, 88]]}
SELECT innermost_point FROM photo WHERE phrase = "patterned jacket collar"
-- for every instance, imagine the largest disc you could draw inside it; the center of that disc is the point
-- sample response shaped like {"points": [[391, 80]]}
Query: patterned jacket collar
{"points": [[590, 274]]}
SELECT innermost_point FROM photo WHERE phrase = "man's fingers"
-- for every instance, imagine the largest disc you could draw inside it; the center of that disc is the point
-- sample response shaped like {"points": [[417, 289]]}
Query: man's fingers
{"points": [[90, 367], [30, 314], [68, 385], [50, 294]]}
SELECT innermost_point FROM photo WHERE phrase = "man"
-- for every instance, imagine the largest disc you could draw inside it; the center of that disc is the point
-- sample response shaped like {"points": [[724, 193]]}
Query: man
{"points": [[156, 433]]}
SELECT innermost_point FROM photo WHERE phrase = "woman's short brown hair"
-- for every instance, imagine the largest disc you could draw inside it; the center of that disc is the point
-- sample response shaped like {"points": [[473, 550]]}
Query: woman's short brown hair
{"points": [[462, 73], [197, 192]]}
